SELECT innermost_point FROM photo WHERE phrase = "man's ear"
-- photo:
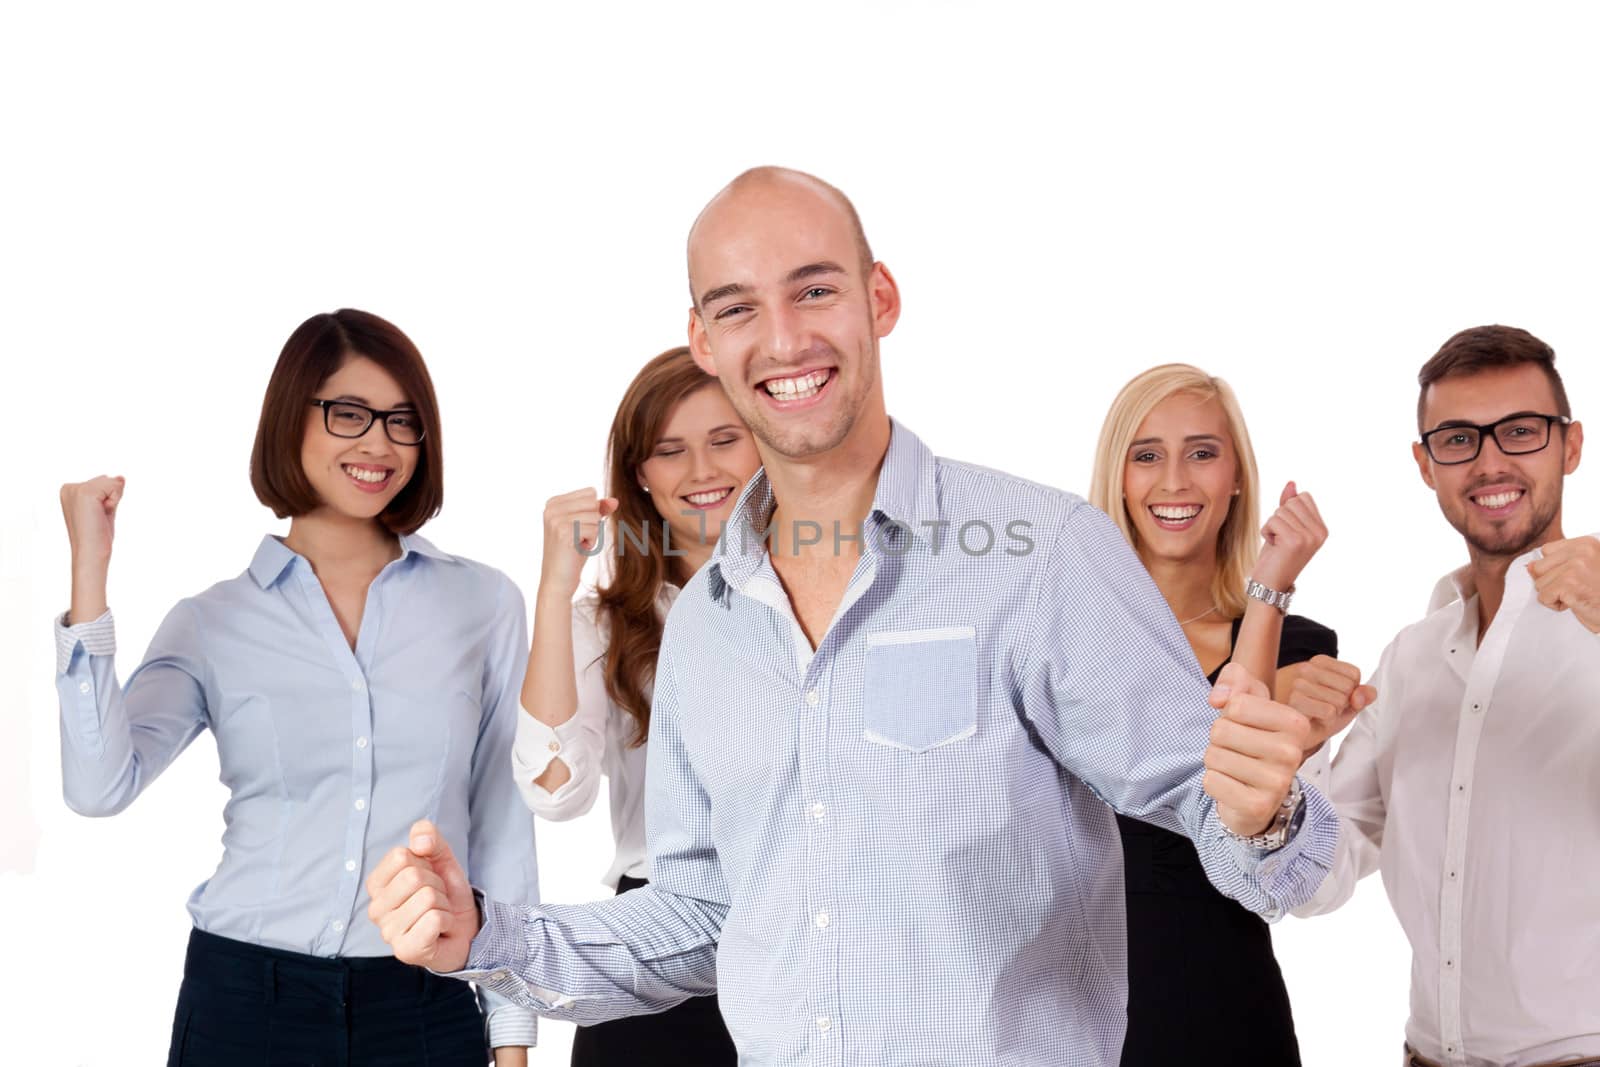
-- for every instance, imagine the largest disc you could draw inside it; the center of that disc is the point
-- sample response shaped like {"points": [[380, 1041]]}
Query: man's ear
{"points": [[1424, 463], [700, 343], [884, 293]]}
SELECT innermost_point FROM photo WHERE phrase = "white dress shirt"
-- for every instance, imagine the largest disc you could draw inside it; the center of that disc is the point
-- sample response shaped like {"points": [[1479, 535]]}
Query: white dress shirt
{"points": [[1474, 785], [597, 740]]}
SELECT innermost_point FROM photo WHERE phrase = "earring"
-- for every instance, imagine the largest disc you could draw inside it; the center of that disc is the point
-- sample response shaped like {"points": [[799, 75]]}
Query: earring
{"points": [[646, 489], [1235, 492]]}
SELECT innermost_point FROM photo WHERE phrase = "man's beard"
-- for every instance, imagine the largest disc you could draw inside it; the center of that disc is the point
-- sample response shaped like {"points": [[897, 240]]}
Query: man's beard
{"points": [[1508, 542]]}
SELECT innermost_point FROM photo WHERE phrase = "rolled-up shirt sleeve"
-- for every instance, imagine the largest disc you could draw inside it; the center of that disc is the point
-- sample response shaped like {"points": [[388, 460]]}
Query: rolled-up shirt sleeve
{"points": [[1113, 688], [116, 739], [579, 742]]}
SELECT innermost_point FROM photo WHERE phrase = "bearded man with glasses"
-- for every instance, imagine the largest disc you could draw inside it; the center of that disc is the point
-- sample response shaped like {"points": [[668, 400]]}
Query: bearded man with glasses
{"points": [[1471, 782]]}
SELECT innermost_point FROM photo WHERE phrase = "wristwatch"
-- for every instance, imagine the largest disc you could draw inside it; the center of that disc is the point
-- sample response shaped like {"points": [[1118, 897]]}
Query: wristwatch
{"points": [[1255, 589], [1276, 834]]}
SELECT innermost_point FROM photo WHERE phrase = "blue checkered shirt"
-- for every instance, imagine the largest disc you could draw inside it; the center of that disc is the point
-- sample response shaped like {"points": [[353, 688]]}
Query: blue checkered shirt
{"points": [[899, 848]]}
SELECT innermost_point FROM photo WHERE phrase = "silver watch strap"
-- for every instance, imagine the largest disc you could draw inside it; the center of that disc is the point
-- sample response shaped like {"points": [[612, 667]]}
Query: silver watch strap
{"points": [[1268, 595]]}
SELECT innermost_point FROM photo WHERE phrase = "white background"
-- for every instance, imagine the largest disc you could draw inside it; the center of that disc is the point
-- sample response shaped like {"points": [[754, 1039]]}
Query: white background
{"points": [[1306, 204]]}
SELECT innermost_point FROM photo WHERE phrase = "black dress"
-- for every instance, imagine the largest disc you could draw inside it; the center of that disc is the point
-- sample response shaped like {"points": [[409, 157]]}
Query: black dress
{"points": [[1203, 985]]}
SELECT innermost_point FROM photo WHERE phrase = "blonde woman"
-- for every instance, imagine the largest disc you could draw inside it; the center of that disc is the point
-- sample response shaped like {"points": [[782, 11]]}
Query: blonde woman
{"points": [[1174, 469]]}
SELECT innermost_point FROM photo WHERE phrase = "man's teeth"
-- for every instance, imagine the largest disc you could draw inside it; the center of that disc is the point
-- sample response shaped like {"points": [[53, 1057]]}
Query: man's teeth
{"points": [[702, 499], [1176, 514], [361, 474], [1498, 500], [797, 388]]}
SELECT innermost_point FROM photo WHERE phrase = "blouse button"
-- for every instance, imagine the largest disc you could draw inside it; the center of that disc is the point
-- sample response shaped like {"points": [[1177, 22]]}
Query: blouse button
{"points": [[555, 746]]}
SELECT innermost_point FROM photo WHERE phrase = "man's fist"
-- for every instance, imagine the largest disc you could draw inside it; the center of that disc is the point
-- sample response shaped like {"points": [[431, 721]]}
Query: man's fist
{"points": [[1326, 691], [422, 903], [1256, 748], [1567, 578]]}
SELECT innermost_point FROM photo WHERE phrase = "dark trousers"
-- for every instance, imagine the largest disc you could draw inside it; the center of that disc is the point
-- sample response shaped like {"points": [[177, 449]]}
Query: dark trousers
{"points": [[689, 1035], [242, 1005]]}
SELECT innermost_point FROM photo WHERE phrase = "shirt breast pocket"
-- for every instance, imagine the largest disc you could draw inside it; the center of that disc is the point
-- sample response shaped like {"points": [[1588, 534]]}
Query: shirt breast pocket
{"points": [[921, 688]]}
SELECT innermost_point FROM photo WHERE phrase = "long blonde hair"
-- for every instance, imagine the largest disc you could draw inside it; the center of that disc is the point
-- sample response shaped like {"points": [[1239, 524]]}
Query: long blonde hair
{"points": [[1238, 542]]}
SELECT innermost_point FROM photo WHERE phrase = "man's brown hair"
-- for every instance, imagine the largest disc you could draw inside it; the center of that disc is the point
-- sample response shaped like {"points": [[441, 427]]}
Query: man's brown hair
{"points": [[1483, 347], [316, 349]]}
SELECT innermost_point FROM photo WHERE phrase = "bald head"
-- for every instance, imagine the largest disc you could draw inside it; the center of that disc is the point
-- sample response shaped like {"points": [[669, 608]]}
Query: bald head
{"points": [[767, 195]]}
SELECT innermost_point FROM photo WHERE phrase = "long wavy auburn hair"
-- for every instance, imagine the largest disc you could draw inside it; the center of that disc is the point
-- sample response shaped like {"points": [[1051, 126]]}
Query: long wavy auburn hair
{"points": [[627, 600]]}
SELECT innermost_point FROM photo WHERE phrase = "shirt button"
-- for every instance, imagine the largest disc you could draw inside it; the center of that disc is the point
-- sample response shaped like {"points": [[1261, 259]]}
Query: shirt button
{"points": [[555, 746], [822, 920], [338, 924], [358, 685], [349, 865], [361, 803], [824, 1023], [84, 687], [1475, 707], [811, 697], [818, 810]]}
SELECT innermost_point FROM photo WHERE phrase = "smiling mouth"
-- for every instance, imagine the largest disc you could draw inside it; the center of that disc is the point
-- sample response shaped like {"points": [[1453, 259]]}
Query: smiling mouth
{"points": [[1500, 501], [1175, 516], [368, 479], [800, 387], [708, 499]]}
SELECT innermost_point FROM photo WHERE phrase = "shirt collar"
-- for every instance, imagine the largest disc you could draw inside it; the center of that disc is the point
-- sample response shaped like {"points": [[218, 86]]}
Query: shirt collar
{"points": [[1459, 586], [273, 557], [906, 495]]}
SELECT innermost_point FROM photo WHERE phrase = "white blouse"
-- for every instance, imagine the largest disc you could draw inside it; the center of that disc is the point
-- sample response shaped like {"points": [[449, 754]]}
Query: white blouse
{"points": [[595, 741]]}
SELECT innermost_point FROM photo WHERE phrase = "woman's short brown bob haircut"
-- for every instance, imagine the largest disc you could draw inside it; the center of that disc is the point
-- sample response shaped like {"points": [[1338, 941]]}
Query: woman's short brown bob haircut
{"points": [[315, 350]]}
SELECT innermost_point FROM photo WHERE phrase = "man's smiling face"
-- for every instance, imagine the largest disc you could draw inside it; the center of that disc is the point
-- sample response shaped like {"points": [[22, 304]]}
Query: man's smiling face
{"points": [[787, 313]]}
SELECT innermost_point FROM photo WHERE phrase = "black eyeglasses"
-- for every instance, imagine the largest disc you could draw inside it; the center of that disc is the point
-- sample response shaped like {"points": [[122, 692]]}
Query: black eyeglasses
{"points": [[345, 418], [1515, 435]]}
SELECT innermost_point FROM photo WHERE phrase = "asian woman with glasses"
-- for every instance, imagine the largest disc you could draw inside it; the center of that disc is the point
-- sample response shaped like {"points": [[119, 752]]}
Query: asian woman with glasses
{"points": [[353, 676]]}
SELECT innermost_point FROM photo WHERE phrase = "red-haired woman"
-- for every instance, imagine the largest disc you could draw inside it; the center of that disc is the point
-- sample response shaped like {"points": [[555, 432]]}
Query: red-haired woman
{"points": [[679, 457]]}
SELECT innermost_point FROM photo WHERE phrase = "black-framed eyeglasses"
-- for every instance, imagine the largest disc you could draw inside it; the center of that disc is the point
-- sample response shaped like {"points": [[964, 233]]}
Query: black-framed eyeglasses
{"points": [[346, 418], [1516, 435]]}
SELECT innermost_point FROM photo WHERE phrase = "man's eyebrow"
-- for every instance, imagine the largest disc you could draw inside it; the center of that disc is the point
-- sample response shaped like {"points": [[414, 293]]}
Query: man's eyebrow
{"points": [[812, 270], [722, 292], [799, 274], [1450, 424]]}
